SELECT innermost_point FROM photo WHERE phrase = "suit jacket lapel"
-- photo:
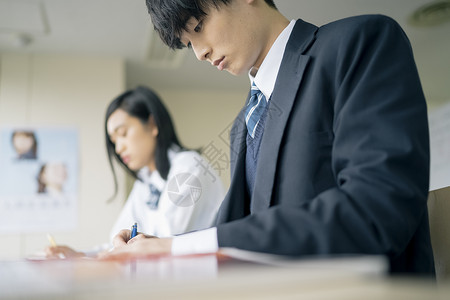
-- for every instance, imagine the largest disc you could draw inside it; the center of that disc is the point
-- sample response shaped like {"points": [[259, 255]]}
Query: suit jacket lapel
{"points": [[288, 82]]}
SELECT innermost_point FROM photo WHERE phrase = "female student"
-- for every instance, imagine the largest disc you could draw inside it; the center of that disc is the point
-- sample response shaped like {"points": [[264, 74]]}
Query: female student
{"points": [[172, 193]]}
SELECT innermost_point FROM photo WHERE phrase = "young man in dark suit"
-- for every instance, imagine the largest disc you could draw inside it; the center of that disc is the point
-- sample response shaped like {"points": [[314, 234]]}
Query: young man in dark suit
{"points": [[331, 154]]}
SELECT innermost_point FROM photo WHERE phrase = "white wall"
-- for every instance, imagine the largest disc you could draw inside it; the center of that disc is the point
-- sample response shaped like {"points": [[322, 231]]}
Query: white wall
{"points": [[203, 119], [65, 91]]}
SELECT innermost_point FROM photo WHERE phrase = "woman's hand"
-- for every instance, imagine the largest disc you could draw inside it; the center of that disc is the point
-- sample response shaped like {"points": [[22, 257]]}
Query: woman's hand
{"points": [[62, 252], [140, 246], [124, 237], [121, 238]]}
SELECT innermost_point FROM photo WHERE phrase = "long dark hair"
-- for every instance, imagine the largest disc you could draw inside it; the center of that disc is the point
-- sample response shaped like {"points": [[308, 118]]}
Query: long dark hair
{"points": [[142, 103]]}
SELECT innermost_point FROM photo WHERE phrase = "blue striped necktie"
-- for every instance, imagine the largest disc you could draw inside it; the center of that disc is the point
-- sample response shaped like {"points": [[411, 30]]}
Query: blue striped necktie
{"points": [[255, 109]]}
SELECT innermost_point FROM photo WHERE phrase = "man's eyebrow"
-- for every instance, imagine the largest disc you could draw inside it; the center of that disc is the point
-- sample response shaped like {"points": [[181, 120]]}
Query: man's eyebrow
{"points": [[190, 24]]}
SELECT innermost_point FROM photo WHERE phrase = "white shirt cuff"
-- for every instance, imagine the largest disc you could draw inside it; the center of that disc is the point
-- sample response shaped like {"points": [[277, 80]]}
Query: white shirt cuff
{"points": [[198, 242]]}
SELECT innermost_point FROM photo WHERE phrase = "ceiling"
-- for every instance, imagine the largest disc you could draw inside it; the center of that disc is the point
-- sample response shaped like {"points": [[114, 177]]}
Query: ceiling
{"points": [[122, 28]]}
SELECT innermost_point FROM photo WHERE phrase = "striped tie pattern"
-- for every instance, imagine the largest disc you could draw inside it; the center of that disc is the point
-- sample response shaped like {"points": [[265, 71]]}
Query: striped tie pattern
{"points": [[255, 109]]}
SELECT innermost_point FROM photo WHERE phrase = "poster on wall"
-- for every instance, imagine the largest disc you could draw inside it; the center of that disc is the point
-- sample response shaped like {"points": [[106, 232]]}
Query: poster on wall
{"points": [[38, 179]]}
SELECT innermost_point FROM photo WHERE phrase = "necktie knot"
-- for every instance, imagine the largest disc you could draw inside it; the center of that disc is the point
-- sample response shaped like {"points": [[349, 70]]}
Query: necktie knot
{"points": [[255, 90], [153, 199], [255, 109]]}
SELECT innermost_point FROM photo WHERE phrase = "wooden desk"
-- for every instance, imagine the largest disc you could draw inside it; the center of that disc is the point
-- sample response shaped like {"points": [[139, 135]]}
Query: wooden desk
{"points": [[209, 277]]}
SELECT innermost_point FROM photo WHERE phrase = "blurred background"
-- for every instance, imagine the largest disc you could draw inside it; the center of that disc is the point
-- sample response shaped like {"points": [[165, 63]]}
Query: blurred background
{"points": [[62, 62]]}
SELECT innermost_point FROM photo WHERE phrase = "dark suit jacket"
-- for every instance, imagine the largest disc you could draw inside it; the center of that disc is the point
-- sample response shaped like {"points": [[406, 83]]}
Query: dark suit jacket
{"points": [[344, 161]]}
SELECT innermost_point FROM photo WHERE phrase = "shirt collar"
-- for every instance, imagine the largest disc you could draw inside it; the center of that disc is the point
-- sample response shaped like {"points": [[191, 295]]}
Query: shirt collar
{"points": [[268, 71], [154, 177]]}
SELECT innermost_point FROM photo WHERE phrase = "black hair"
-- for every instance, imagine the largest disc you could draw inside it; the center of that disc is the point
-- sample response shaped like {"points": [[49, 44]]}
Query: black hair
{"points": [[142, 103], [169, 17]]}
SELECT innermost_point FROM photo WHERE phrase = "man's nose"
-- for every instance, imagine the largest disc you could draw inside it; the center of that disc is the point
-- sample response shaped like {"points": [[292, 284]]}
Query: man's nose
{"points": [[202, 53]]}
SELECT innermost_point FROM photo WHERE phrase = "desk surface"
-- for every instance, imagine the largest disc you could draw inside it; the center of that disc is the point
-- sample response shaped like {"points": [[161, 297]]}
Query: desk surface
{"points": [[210, 277]]}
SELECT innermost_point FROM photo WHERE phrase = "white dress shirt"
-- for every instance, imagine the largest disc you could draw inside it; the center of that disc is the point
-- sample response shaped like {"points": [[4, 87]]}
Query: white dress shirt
{"points": [[205, 241], [189, 198]]}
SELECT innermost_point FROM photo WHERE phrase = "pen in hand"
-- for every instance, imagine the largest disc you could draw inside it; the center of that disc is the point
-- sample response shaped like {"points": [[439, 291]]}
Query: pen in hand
{"points": [[51, 240], [133, 231], [53, 244]]}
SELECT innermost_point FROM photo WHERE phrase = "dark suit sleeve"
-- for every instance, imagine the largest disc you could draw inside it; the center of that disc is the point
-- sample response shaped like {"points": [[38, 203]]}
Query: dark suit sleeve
{"points": [[379, 158]]}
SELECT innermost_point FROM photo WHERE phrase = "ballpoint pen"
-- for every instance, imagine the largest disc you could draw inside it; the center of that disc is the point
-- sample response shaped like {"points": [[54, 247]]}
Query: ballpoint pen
{"points": [[133, 234], [133, 231]]}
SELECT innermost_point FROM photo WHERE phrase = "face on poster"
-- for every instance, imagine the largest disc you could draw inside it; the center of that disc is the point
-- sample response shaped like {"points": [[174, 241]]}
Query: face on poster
{"points": [[38, 179]]}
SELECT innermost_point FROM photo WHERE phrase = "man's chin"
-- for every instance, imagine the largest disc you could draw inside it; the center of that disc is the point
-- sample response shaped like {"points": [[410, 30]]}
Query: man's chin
{"points": [[236, 72]]}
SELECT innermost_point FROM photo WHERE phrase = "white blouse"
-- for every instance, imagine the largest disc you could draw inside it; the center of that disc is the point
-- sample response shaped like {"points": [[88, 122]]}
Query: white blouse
{"points": [[188, 200]]}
